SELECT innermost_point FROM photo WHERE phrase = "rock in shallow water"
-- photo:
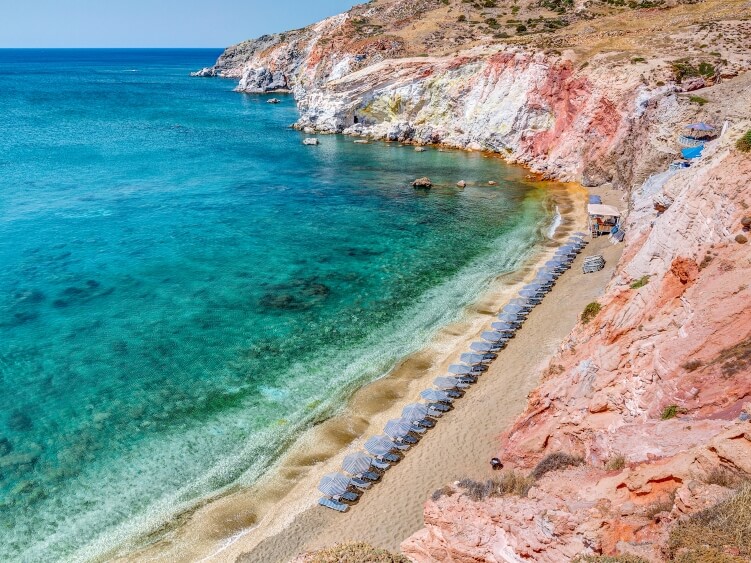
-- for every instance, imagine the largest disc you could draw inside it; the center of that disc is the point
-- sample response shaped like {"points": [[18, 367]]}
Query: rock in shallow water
{"points": [[422, 183], [310, 141]]}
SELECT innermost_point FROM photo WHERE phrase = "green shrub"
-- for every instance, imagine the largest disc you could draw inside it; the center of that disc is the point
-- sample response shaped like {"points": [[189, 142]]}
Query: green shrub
{"points": [[744, 143], [507, 483], [671, 411], [590, 312], [692, 365], [554, 462], [641, 282], [698, 100], [521, 28]]}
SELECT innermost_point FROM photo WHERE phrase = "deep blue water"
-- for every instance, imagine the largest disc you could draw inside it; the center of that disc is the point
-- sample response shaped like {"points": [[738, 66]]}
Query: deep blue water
{"points": [[185, 286]]}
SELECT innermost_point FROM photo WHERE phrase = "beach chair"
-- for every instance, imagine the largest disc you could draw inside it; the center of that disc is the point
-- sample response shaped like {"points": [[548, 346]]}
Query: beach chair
{"points": [[361, 483], [383, 466], [440, 407], [424, 424], [333, 505]]}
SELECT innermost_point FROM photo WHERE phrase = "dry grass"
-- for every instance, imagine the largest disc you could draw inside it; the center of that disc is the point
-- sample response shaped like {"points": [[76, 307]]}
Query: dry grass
{"points": [[555, 462], [665, 504], [355, 553], [725, 477], [616, 463], [624, 558], [736, 359], [725, 528], [590, 312], [508, 483]]}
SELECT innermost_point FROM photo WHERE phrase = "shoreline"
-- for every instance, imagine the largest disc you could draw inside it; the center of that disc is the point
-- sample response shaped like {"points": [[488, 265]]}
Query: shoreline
{"points": [[240, 519]]}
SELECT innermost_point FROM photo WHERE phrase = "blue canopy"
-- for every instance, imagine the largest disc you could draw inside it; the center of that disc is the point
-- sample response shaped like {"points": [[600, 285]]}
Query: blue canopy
{"points": [[358, 463], [701, 126], [435, 395], [510, 318], [595, 199], [474, 359], [415, 412], [503, 327], [494, 336], [334, 484], [691, 152], [482, 347]]}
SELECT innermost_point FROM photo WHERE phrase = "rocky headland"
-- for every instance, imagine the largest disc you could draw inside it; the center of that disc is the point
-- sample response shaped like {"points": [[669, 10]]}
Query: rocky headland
{"points": [[641, 419]]}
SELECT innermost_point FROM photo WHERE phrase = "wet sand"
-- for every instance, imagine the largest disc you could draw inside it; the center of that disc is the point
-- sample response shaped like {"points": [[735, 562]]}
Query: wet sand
{"points": [[277, 518]]}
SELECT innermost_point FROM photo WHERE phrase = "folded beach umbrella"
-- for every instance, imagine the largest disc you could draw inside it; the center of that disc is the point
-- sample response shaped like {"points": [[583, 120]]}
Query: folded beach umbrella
{"points": [[379, 445], [446, 383], [334, 484], [491, 336], [357, 463], [475, 359], [458, 369], [435, 395], [415, 412], [397, 428]]}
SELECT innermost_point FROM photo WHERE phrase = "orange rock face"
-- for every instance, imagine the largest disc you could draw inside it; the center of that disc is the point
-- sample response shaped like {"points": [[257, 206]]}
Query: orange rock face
{"points": [[661, 377]]}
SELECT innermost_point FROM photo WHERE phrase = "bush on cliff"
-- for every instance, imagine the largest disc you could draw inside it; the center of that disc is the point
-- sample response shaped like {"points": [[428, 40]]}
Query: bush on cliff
{"points": [[714, 533], [508, 483], [623, 558], [744, 143], [590, 312], [555, 462]]}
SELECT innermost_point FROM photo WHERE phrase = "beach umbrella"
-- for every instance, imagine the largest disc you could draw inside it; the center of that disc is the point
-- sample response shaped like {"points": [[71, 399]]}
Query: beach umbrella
{"points": [[501, 326], [474, 359], [494, 336], [357, 463], [379, 445], [458, 369], [397, 428], [415, 412], [513, 309], [530, 292], [511, 318], [334, 484], [580, 234], [546, 275], [519, 301], [482, 347], [435, 395], [446, 383]]}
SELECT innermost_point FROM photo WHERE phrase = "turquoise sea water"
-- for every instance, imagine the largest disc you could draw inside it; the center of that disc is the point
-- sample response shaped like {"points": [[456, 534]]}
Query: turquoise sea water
{"points": [[185, 286]]}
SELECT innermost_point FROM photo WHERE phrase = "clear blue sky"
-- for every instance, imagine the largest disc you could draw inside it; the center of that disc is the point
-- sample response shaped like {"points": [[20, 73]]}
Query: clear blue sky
{"points": [[153, 23]]}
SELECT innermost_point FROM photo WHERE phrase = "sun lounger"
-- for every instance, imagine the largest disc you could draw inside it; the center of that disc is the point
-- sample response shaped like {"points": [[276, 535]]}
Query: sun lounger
{"points": [[371, 475], [361, 483], [425, 423], [383, 466], [440, 407], [333, 505]]}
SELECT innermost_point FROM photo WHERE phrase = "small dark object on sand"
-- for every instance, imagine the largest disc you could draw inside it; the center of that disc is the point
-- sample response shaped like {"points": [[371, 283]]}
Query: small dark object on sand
{"points": [[495, 463]]}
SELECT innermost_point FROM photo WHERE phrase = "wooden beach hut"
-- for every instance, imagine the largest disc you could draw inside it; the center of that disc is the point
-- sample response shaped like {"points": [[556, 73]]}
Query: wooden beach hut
{"points": [[602, 218]]}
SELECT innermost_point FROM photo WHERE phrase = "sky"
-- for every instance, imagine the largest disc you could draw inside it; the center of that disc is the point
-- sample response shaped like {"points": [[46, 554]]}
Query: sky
{"points": [[153, 23]]}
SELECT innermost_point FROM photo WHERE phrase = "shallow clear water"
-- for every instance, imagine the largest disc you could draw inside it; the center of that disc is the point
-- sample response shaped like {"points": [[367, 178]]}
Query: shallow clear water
{"points": [[185, 286]]}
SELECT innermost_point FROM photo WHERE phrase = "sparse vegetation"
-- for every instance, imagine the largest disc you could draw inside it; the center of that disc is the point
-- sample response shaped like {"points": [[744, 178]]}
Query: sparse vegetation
{"points": [[725, 477], [641, 282], [692, 365], [735, 359], [444, 491], [698, 100], [555, 462], [665, 504], [355, 553], [590, 312], [711, 534], [508, 483], [671, 411], [744, 143], [616, 463], [624, 558], [684, 69]]}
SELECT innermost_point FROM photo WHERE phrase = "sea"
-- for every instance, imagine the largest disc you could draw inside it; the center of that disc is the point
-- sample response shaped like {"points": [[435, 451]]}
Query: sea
{"points": [[185, 287]]}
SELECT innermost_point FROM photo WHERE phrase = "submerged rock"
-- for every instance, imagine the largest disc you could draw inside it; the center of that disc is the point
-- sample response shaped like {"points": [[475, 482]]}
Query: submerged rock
{"points": [[310, 141], [273, 101], [423, 182], [420, 149], [492, 183], [461, 184]]}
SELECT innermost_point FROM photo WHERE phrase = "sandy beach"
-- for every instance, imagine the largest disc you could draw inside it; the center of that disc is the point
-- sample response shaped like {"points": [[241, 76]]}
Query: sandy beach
{"points": [[278, 518]]}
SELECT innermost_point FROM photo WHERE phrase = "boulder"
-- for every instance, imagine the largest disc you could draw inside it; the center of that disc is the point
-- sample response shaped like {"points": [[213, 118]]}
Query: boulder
{"points": [[420, 149], [361, 142], [273, 101], [461, 184], [741, 239], [492, 183], [746, 222], [422, 183], [207, 72], [310, 141]]}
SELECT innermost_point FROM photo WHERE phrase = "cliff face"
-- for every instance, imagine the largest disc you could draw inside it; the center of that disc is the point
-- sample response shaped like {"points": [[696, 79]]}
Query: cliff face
{"points": [[652, 394]]}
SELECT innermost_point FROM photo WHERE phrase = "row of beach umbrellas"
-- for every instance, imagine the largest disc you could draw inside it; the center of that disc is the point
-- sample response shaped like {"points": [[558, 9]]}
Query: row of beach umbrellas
{"points": [[363, 469]]}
